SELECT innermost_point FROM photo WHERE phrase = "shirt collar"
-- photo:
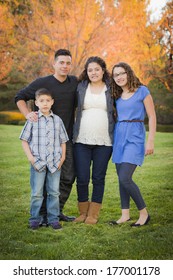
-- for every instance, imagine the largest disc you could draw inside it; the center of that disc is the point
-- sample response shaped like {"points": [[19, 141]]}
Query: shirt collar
{"points": [[40, 114]]}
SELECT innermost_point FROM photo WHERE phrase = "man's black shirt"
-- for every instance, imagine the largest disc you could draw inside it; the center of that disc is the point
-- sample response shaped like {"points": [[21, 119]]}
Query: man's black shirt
{"points": [[64, 94]]}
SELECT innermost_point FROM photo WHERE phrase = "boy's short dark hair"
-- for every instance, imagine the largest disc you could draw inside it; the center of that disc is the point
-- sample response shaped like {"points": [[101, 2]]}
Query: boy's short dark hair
{"points": [[43, 91], [62, 52]]}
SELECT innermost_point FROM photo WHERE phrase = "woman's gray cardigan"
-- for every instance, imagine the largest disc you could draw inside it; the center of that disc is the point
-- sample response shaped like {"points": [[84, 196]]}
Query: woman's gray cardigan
{"points": [[81, 91]]}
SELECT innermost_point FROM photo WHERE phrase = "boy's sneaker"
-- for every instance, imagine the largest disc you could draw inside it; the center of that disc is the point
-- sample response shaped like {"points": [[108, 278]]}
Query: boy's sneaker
{"points": [[56, 225], [34, 225]]}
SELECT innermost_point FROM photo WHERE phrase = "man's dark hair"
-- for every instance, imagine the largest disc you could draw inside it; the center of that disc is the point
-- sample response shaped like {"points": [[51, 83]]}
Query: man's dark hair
{"points": [[43, 91], [62, 52]]}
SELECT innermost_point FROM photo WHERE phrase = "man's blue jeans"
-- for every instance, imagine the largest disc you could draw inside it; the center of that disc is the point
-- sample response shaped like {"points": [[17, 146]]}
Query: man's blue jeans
{"points": [[37, 180]]}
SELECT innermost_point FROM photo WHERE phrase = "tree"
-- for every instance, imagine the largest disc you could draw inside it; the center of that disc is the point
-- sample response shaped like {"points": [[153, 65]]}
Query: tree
{"points": [[81, 26], [160, 66], [115, 30], [7, 41]]}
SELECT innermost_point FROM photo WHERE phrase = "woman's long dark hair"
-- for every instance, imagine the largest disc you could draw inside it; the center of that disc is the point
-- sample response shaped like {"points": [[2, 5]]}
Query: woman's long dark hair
{"points": [[133, 81], [84, 76]]}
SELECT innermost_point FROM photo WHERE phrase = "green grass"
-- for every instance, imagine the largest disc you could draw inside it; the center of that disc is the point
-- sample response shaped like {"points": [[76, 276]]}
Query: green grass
{"points": [[80, 241]]}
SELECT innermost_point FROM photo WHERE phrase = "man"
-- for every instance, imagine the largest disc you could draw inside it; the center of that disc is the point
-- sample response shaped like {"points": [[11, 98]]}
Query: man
{"points": [[63, 88]]}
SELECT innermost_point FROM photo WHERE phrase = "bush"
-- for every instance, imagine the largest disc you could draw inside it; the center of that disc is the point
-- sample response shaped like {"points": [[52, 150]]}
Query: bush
{"points": [[163, 101], [164, 114], [7, 117]]}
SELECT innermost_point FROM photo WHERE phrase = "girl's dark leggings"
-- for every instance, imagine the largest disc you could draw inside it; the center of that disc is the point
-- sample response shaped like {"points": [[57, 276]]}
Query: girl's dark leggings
{"points": [[127, 187]]}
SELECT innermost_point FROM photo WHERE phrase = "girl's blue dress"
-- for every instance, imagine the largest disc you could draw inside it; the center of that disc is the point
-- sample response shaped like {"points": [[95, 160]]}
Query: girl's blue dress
{"points": [[129, 137]]}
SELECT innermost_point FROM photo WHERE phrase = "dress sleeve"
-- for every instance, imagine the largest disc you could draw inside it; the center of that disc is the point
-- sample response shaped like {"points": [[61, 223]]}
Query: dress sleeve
{"points": [[144, 92]]}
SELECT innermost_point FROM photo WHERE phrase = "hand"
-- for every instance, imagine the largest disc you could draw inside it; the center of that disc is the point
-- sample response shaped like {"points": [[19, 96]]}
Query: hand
{"points": [[149, 150], [32, 116], [61, 163], [32, 160]]}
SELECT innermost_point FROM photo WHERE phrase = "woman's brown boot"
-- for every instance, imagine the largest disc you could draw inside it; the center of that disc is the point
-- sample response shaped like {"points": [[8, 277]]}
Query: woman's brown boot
{"points": [[93, 213], [83, 210]]}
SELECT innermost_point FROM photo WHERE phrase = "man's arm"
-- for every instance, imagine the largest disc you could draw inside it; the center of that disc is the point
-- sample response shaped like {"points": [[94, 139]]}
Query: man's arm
{"points": [[23, 108], [26, 94]]}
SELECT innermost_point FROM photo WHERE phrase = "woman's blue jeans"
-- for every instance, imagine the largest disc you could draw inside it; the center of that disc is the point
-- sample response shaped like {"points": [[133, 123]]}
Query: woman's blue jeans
{"points": [[37, 180], [84, 156]]}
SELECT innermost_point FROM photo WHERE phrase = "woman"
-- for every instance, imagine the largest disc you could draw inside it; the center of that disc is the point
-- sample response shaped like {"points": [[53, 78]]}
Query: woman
{"points": [[93, 131], [133, 101]]}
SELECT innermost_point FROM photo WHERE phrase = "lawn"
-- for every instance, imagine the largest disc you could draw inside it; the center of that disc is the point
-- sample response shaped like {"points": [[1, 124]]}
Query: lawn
{"points": [[87, 242]]}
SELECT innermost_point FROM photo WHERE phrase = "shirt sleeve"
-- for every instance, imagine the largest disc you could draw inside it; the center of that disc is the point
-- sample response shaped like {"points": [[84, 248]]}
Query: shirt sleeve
{"points": [[26, 132], [63, 134], [28, 93]]}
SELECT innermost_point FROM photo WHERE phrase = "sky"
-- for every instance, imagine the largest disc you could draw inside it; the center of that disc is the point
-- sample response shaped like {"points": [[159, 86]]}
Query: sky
{"points": [[156, 6]]}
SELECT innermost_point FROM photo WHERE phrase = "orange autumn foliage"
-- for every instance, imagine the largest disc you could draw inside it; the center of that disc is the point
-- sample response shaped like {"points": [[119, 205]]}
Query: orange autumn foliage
{"points": [[115, 30]]}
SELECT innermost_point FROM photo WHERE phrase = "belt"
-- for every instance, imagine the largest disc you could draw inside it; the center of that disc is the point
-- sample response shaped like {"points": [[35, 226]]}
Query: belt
{"points": [[132, 121]]}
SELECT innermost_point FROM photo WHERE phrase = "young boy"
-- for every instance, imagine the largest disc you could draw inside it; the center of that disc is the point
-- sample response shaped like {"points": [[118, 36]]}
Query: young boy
{"points": [[44, 143]]}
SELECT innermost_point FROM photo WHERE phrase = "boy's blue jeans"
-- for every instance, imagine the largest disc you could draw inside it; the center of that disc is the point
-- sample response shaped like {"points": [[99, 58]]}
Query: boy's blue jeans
{"points": [[37, 180]]}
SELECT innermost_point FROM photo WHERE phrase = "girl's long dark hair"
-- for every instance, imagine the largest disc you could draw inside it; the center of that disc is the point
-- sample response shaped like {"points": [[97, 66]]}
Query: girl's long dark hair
{"points": [[84, 76], [133, 81]]}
